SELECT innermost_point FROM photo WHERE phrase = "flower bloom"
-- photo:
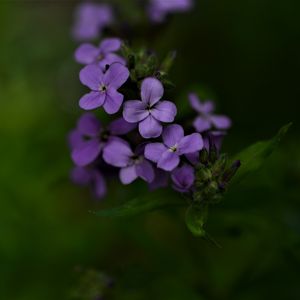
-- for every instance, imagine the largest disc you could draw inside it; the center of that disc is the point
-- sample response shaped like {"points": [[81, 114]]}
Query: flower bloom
{"points": [[206, 119], [133, 165], [90, 19], [103, 87], [167, 154], [89, 138], [90, 176], [150, 111], [183, 178], [103, 54], [158, 9]]}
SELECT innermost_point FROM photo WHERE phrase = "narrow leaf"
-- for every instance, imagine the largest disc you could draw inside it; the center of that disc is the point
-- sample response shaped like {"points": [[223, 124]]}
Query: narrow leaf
{"points": [[253, 157]]}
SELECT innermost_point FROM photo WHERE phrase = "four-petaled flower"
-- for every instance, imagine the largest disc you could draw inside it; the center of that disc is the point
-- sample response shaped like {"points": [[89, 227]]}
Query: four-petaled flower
{"points": [[167, 154], [206, 119], [104, 87], [90, 19], [158, 9], [133, 164], [150, 111], [89, 138], [92, 177], [103, 54], [183, 178]]}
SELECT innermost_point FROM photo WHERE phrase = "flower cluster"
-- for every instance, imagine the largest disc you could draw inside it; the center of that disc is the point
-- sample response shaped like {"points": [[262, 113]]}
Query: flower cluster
{"points": [[143, 139], [91, 19]]}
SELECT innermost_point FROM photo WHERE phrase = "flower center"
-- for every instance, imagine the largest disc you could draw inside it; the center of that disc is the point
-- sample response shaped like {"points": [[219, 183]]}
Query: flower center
{"points": [[136, 159], [102, 88], [173, 148]]}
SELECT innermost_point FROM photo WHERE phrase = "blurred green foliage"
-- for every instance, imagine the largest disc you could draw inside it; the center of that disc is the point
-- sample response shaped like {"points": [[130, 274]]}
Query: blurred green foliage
{"points": [[245, 54]]}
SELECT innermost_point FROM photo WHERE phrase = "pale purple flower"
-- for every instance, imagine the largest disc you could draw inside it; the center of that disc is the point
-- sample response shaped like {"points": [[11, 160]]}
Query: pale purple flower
{"points": [[133, 165], [103, 87], [89, 138], [183, 178], [158, 9], [90, 20], [207, 119], [167, 154], [90, 177], [103, 54], [150, 111]]}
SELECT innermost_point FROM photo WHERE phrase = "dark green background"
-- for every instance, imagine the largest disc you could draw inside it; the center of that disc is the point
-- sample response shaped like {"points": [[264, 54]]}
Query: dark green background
{"points": [[243, 53]]}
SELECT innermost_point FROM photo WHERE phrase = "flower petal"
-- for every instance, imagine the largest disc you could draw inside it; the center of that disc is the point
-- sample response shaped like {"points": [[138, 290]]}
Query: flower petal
{"points": [[110, 45], [221, 122], [86, 152], [86, 54], [117, 153], [172, 135], [91, 76], [193, 157], [183, 178], [164, 111], [116, 75], [120, 127], [89, 125], [190, 143], [74, 138], [80, 176], [128, 174], [202, 108], [150, 128], [152, 90], [145, 171], [111, 58], [202, 124], [113, 101], [99, 184], [169, 161], [92, 100], [135, 111], [154, 151]]}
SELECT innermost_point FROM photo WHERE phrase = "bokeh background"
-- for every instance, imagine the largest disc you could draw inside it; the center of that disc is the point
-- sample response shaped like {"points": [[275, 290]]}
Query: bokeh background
{"points": [[244, 54]]}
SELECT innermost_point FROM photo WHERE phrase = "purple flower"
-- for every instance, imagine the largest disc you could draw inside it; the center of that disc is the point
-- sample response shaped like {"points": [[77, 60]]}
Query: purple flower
{"points": [[183, 178], [150, 111], [158, 9], [90, 19], [103, 54], [89, 138], [133, 165], [167, 154], [103, 87], [90, 176], [206, 119]]}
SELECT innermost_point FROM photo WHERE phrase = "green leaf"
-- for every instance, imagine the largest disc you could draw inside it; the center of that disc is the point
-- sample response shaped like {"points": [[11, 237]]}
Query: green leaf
{"points": [[253, 157], [195, 219], [148, 203]]}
